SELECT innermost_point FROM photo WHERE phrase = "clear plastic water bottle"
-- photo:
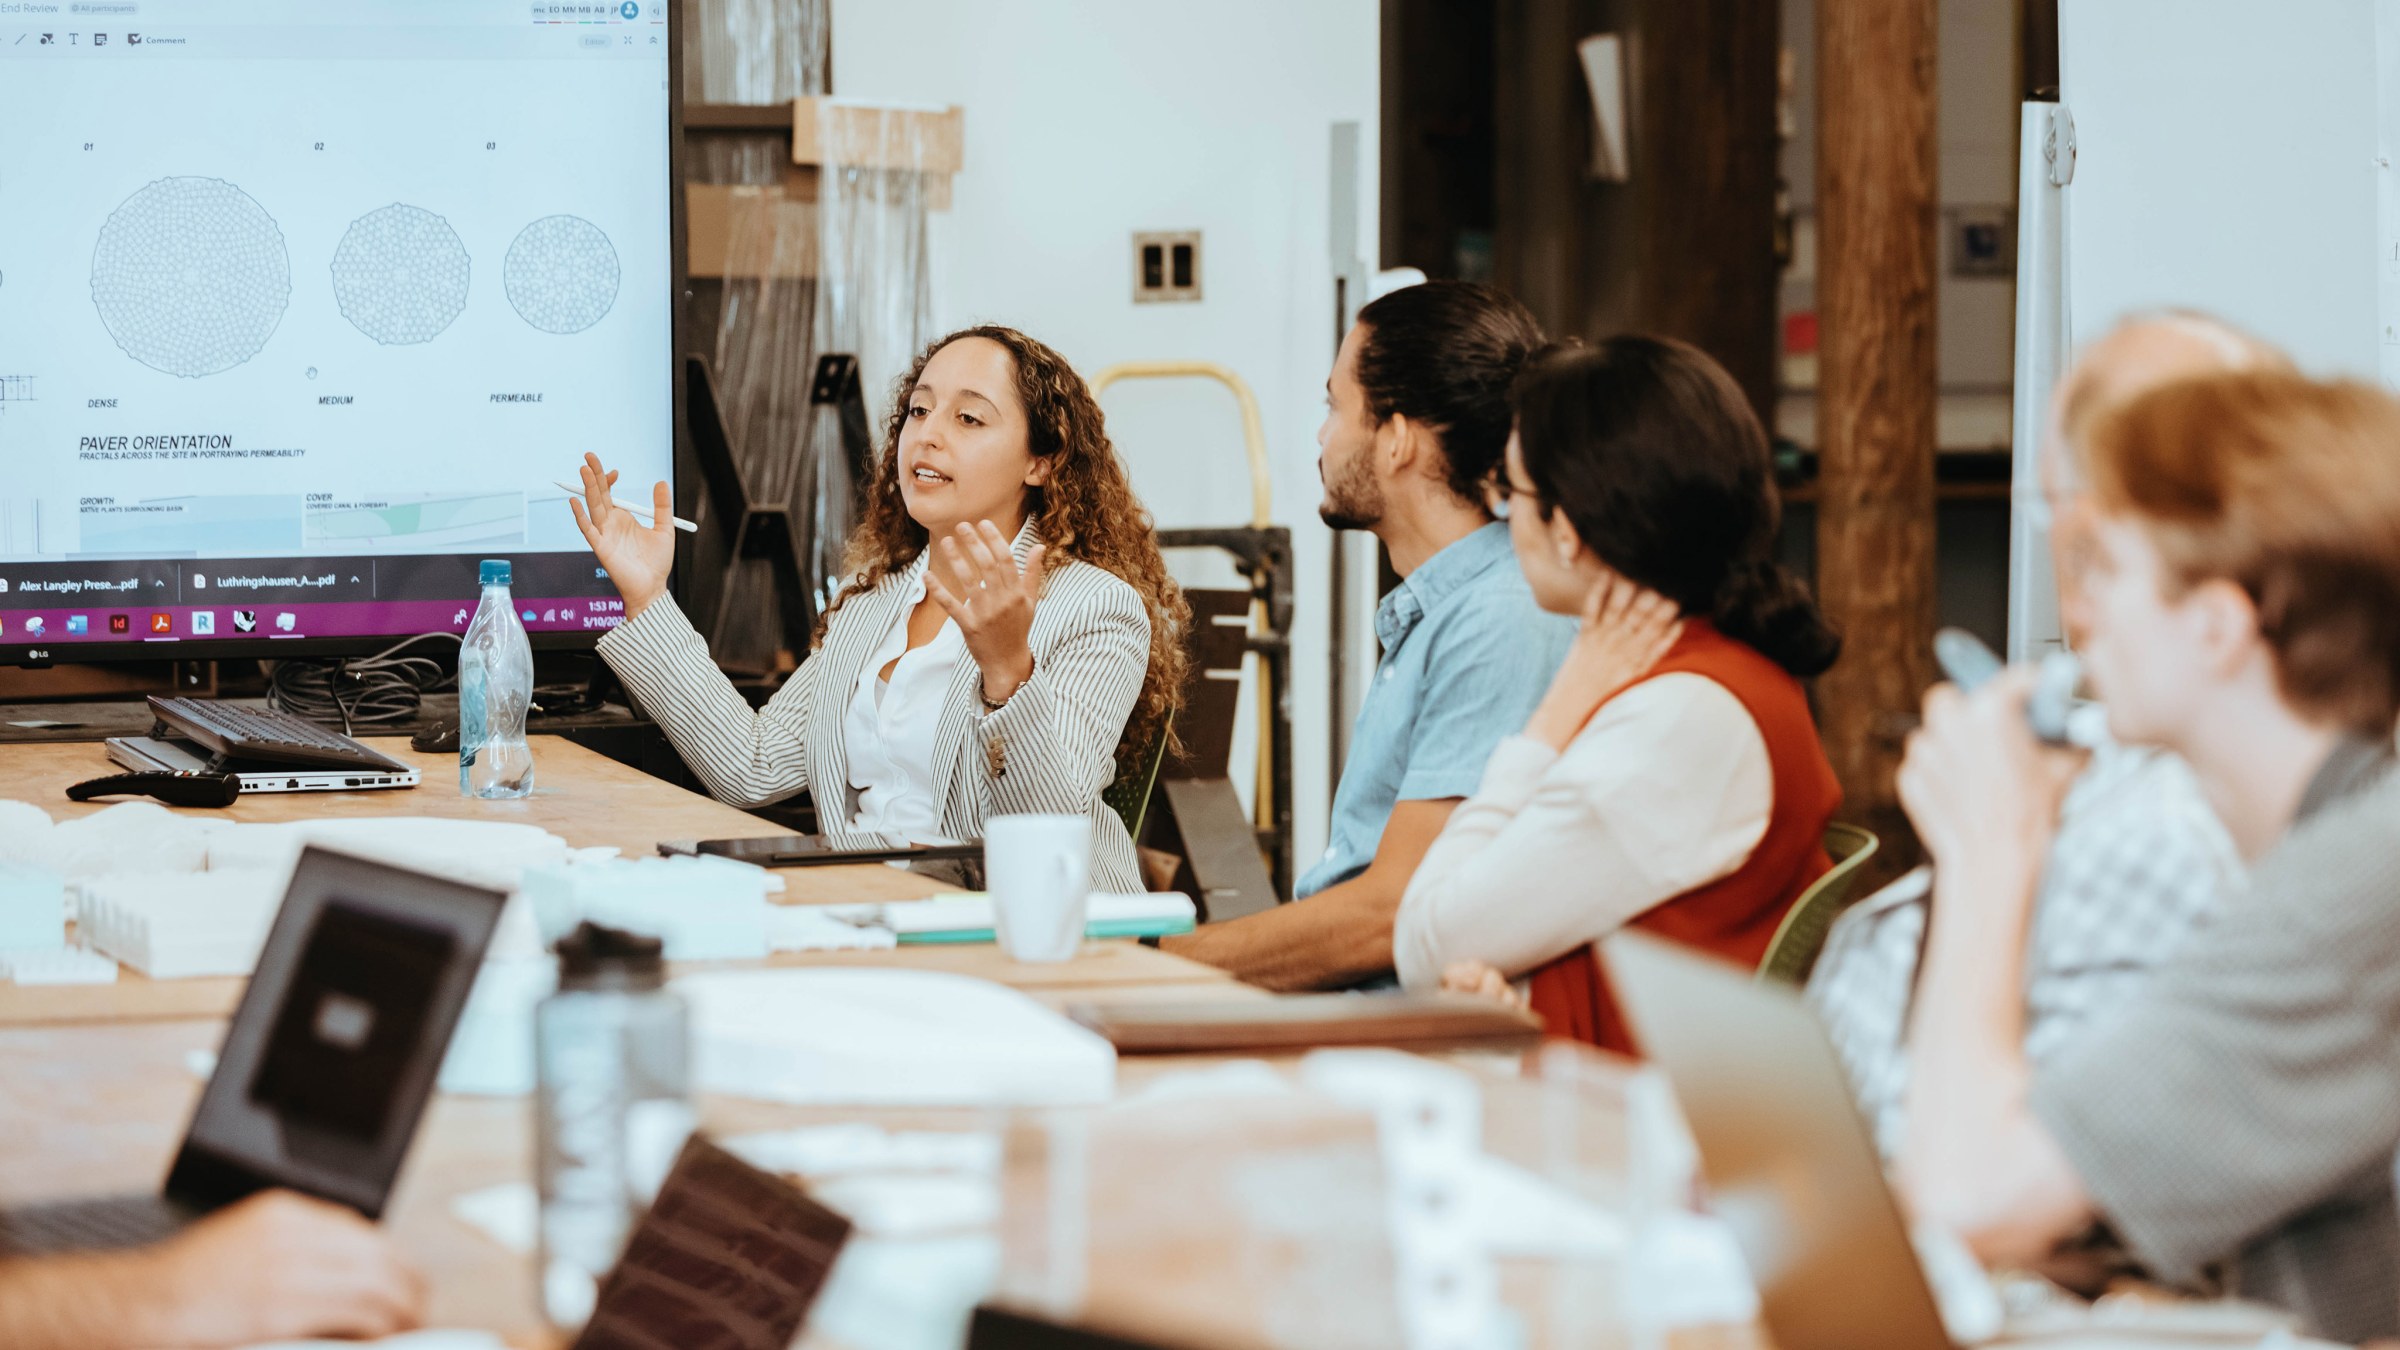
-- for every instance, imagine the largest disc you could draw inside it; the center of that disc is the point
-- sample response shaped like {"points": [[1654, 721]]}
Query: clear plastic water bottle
{"points": [[495, 684], [613, 1107]]}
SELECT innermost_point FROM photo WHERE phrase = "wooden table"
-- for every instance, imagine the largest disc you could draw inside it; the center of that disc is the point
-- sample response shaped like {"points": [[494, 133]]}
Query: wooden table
{"points": [[587, 799], [95, 1087], [584, 798], [96, 1084]]}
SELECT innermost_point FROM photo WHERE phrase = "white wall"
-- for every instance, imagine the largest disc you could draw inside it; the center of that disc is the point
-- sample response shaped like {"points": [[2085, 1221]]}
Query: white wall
{"points": [[2227, 162], [1087, 120]]}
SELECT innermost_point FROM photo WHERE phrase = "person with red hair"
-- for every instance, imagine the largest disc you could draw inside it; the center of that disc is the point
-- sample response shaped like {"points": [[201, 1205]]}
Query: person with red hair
{"points": [[2234, 1122]]}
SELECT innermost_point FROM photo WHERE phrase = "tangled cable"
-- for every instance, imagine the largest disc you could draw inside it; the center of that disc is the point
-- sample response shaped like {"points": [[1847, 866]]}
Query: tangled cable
{"points": [[370, 691]]}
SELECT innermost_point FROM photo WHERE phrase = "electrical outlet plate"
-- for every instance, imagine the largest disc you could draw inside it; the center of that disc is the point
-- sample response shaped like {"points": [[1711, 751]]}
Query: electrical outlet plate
{"points": [[1983, 241], [1166, 266]]}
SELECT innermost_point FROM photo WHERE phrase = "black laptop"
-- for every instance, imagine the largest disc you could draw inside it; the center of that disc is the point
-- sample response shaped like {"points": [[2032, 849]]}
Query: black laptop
{"points": [[326, 1067]]}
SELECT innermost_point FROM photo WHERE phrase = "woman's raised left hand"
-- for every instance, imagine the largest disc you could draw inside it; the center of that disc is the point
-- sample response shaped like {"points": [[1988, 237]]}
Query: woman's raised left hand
{"points": [[977, 582]]}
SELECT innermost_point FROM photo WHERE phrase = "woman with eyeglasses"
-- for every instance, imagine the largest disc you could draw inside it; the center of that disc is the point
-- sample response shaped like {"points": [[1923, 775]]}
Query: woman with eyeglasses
{"points": [[1671, 779]]}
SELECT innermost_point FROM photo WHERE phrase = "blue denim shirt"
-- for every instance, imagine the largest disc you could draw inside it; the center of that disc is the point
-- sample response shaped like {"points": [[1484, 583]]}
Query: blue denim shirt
{"points": [[1466, 656]]}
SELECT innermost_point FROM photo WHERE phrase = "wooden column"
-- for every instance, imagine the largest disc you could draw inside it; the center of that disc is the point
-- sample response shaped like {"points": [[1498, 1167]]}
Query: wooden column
{"points": [[1876, 204]]}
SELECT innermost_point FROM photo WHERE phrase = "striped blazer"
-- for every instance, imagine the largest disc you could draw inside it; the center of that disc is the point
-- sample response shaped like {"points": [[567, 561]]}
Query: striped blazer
{"points": [[1050, 749]]}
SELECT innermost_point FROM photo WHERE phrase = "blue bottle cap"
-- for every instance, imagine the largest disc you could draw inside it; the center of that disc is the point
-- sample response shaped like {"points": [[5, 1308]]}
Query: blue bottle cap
{"points": [[495, 572]]}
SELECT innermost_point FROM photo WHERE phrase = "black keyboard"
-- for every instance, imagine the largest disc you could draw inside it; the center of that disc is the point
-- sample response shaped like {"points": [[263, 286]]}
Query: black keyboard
{"points": [[260, 735], [90, 1225]]}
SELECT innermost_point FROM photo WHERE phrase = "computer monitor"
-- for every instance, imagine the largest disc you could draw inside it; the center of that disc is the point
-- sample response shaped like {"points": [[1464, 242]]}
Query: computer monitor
{"points": [[304, 307]]}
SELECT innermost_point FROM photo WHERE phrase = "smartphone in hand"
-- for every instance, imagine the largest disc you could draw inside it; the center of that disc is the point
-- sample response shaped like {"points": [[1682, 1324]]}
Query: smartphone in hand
{"points": [[1970, 664]]}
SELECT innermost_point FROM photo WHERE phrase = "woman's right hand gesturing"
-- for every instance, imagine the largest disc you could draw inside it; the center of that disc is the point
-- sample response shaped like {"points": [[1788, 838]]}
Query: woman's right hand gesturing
{"points": [[637, 556]]}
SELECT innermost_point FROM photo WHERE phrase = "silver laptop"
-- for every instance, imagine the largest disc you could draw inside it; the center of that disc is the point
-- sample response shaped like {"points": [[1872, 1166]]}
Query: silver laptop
{"points": [[1780, 1136], [162, 754], [327, 1064]]}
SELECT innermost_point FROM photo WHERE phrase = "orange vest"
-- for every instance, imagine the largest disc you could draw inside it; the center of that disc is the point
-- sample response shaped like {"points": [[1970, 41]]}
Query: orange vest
{"points": [[1736, 915]]}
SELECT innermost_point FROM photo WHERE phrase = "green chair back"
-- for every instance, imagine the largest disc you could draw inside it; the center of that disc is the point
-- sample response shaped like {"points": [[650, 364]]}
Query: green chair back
{"points": [[1129, 796], [1793, 953]]}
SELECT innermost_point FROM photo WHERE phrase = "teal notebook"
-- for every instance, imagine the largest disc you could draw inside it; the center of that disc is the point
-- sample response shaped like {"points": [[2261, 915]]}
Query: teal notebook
{"points": [[968, 918]]}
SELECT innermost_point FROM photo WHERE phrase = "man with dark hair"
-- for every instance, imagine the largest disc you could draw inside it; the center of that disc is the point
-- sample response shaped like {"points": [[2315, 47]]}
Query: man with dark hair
{"points": [[1417, 417]]}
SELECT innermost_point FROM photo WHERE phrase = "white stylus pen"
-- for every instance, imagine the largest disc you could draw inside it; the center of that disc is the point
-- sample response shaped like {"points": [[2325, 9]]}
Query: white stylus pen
{"points": [[635, 507]]}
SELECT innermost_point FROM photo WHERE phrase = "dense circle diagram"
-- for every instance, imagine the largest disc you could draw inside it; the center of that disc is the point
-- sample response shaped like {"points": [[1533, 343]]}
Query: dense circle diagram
{"points": [[190, 276]]}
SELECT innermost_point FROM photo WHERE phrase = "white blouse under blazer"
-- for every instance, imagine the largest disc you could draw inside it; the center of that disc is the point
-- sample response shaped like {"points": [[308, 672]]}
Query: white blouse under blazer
{"points": [[1051, 749], [890, 724]]}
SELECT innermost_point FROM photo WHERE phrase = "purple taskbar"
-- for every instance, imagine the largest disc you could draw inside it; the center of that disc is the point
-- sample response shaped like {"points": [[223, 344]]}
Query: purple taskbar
{"points": [[175, 623], [57, 604]]}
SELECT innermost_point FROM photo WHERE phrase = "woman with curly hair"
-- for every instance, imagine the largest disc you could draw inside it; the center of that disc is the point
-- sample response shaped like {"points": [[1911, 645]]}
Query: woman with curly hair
{"points": [[1007, 635]]}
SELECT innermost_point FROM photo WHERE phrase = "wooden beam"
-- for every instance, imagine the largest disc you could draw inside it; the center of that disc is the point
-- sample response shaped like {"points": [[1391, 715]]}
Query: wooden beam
{"points": [[1876, 210], [737, 117], [750, 233], [838, 131]]}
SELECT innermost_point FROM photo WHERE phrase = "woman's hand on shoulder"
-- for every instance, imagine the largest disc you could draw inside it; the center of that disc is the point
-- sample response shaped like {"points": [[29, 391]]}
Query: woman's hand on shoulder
{"points": [[637, 556], [1626, 629], [977, 582]]}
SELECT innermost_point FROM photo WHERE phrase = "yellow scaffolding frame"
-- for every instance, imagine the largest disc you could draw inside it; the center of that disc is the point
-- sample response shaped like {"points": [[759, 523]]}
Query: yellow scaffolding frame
{"points": [[1254, 444]]}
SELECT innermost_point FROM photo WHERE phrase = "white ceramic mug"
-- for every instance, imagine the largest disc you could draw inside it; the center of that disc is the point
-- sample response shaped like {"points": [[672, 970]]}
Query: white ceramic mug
{"points": [[1037, 870]]}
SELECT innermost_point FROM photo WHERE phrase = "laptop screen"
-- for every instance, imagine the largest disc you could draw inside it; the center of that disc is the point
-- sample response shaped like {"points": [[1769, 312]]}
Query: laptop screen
{"points": [[334, 1050]]}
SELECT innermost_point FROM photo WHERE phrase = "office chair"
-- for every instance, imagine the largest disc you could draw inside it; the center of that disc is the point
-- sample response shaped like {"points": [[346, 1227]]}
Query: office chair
{"points": [[1793, 951]]}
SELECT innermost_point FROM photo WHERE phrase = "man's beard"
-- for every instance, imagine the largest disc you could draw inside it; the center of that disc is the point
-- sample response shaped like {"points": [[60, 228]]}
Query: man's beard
{"points": [[1353, 499]]}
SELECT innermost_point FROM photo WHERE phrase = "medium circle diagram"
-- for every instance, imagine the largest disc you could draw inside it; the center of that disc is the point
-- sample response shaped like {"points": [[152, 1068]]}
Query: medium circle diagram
{"points": [[400, 275], [191, 276], [561, 274]]}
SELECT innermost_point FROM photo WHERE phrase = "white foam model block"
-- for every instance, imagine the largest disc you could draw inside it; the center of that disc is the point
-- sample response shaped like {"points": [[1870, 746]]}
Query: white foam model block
{"points": [[62, 965], [821, 1151], [808, 928], [491, 1053], [905, 1293], [177, 925], [33, 908], [702, 908], [913, 1206], [487, 853], [24, 833], [888, 1037], [113, 839], [510, 1214], [518, 936]]}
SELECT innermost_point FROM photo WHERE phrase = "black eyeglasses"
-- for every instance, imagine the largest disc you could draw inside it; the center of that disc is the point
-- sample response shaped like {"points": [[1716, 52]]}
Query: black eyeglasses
{"points": [[1499, 493]]}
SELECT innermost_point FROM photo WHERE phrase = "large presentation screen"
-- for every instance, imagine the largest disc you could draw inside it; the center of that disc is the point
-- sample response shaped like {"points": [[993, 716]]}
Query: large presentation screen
{"points": [[305, 307]]}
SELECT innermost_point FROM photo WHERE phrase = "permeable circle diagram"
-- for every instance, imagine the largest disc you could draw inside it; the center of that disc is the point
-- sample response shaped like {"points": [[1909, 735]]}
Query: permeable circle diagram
{"points": [[561, 274], [191, 276], [400, 275]]}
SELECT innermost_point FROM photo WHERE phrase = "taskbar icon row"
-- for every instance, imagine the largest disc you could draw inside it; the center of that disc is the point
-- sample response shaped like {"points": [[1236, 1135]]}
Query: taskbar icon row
{"points": [[159, 623], [175, 623]]}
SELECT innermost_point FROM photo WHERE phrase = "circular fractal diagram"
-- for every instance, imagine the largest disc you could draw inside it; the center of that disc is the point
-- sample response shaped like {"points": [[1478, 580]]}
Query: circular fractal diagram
{"points": [[400, 275], [190, 276], [561, 274]]}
